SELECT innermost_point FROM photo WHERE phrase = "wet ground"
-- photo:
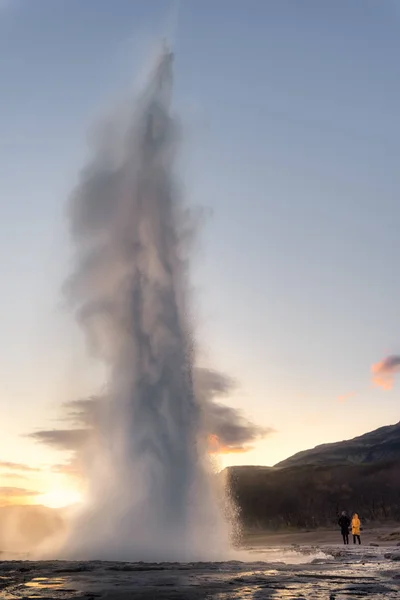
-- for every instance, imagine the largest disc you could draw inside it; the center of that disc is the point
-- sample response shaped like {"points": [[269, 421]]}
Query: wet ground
{"points": [[327, 573]]}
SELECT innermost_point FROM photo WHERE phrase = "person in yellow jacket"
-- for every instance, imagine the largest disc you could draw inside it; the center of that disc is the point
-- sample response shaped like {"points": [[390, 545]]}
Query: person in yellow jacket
{"points": [[356, 528]]}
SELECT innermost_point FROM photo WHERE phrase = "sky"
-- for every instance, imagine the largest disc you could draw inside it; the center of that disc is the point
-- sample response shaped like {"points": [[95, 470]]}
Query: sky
{"points": [[290, 114]]}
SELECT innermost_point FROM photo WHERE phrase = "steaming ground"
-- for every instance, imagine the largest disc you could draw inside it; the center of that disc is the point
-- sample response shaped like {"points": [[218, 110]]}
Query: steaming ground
{"points": [[289, 565], [334, 574], [150, 491]]}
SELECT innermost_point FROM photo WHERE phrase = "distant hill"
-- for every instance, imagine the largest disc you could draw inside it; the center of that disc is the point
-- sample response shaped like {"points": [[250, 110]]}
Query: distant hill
{"points": [[312, 487], [378, 445]]}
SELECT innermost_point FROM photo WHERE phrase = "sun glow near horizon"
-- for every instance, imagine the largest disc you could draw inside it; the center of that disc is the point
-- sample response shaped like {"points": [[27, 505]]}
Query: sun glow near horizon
{"points": [[60, 498]]}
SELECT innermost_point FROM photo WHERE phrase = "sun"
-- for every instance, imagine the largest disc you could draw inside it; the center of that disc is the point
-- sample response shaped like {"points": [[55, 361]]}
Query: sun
{"points": [[59, 498]]}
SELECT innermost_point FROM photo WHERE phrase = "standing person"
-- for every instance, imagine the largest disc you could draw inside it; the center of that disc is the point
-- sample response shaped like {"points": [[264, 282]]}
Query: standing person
{"points": [[356, 528], [344, 524]]}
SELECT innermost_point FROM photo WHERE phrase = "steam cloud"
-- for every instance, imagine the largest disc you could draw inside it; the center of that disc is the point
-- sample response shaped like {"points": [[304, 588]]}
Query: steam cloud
{"points": [[383, 372], [150, 494], [227, 428]]}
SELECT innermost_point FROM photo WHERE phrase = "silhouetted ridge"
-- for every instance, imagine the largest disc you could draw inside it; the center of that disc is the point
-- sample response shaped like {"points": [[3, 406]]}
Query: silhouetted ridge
{"points": [[380, 444], [311, 488]]}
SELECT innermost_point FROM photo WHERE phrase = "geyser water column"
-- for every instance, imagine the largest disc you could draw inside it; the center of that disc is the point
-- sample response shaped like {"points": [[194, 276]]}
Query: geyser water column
{"points": [[150, 494]]}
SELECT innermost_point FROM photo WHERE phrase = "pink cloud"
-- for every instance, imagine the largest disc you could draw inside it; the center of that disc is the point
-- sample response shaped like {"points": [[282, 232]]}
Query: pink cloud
{"points": [[345, 397], [383, 372]]}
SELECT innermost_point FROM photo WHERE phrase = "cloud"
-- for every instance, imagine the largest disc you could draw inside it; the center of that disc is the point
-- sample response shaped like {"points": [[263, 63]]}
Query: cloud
{"points": [[345, 397], [61, 439], [229, 431], [16, 491], [10, 494], [13, 475], [383, 372], [215, 446], [18, 467], [209, 383], [83, 412], [69, 468]]}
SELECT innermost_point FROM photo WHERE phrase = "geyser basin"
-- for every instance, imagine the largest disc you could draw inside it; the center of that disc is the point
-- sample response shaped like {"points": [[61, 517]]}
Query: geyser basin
{"points": [[151, 495]]}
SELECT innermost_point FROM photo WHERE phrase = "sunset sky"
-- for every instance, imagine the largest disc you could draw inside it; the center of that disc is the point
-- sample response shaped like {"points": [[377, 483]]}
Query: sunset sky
{"points": [[290, 113]]}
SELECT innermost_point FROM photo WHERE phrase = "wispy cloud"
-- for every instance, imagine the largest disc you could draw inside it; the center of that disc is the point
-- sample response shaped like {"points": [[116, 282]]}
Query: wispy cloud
{"points": [[228, 428], [4, 465], [16, 491], [13, 475], [70, 468], [383, 372], [11, 495], [344, 397], [231, 429], [215, 446], [210, 383], [61, 439]]}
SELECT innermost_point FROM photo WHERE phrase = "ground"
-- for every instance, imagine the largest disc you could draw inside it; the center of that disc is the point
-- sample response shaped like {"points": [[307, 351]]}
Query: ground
{"points": [[298, 566], [387, 534]]}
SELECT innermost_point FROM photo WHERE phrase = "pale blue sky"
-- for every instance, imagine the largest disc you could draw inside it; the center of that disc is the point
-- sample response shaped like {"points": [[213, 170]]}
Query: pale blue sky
{"points": [[291, 115]]}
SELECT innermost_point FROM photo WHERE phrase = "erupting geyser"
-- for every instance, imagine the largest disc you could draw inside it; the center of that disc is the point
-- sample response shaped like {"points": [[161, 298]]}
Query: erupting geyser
{"points": [[150, 493]]}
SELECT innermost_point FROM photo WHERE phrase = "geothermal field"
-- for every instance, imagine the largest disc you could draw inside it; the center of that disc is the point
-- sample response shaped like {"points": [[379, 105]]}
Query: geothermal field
{"points": [[308, 573]]}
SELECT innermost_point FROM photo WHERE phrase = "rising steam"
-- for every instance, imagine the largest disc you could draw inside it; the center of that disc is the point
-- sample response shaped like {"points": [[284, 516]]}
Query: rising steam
{"points": [[150, 494]]}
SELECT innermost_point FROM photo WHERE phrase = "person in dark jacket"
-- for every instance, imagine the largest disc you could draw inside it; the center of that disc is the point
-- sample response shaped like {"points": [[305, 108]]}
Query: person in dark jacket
{"points": [[344, 524]]}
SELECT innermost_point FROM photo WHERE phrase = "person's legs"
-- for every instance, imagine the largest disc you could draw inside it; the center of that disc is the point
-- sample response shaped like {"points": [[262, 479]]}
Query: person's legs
{"points": [[359, 539], [346, 537], [354, 539]]}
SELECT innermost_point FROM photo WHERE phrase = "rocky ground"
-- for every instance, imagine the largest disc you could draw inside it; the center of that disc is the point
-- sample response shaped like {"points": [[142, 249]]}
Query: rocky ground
{"points": [[387, 534], [326, 573]]}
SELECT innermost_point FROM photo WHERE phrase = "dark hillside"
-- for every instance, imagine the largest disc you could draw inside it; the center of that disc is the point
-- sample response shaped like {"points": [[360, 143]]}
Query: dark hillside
{"points": [[310, 489], [382, 444]]}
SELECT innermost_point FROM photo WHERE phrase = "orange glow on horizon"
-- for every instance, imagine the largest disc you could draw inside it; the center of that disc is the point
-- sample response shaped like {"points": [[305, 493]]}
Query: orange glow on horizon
{"points": [[59, 498], [216, 447]]}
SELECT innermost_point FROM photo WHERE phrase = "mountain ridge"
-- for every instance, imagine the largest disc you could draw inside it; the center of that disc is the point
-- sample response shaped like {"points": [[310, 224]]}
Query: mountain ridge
{"points": [[380, 444], [312, 487]]}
